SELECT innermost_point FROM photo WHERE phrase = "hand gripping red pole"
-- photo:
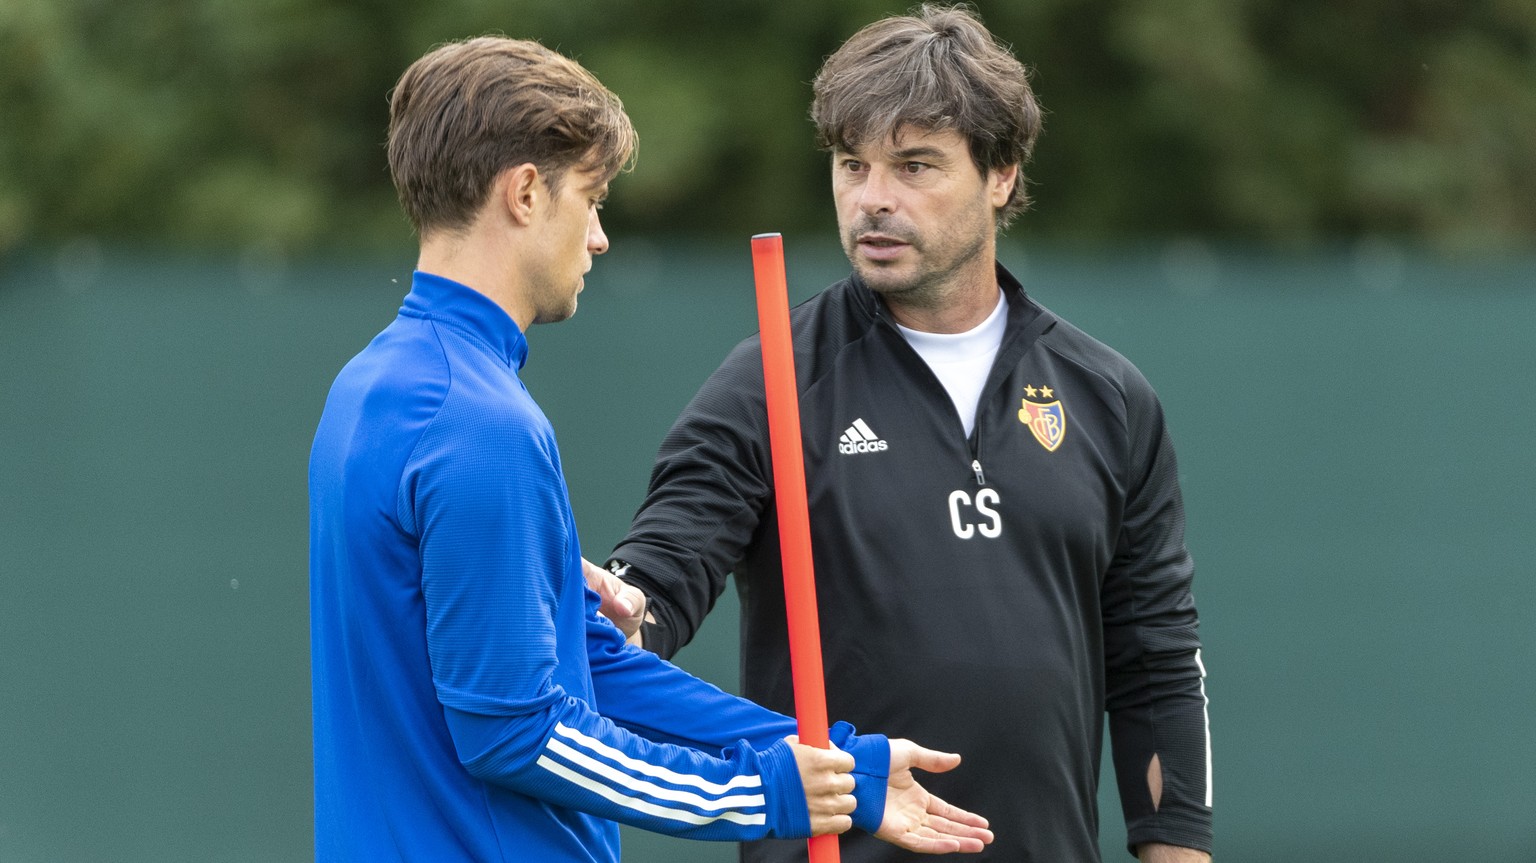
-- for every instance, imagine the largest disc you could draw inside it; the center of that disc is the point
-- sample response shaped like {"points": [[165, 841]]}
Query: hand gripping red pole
{"points": [[794, 516]]}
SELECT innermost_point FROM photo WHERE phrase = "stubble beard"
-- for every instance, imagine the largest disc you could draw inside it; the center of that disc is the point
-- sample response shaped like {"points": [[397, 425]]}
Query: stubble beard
{"points": [[928, 286]]}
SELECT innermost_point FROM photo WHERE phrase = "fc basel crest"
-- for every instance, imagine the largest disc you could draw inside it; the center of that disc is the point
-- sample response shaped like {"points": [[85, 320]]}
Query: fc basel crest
{"points": [[1045, 419]]}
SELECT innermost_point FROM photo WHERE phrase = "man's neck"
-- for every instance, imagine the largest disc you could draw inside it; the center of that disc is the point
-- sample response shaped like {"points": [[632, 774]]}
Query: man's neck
{"points": [[958, 307], [488, 267]]}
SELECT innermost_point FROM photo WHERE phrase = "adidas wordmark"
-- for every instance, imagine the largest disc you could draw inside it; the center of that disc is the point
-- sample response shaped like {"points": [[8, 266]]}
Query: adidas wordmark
{"points": [[860, 438]]}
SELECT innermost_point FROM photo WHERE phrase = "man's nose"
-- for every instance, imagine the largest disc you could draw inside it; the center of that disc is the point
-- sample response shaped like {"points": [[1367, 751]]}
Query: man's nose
{"points": [[878, 192], [597, 241]]}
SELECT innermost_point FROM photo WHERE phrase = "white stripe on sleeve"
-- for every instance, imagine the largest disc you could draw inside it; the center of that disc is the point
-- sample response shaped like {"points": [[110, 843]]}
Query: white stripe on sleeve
{"points": [[619, 777], [643, 806], [608, 753]]}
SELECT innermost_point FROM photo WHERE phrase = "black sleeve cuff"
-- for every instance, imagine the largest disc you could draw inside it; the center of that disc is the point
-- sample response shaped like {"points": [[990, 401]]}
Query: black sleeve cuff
{"points": [[659, 637]]}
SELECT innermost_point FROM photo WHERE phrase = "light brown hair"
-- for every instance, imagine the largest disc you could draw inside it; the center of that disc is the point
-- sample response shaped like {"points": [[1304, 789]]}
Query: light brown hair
{"points": [[468, 110], [936, 69]]}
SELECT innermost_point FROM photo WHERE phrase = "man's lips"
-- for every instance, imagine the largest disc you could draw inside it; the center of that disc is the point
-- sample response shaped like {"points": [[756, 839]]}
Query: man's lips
{"points": [[881, 247]]}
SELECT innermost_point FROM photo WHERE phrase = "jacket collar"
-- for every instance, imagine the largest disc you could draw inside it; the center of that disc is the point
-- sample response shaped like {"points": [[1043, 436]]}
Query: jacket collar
{"points": [[465, 309]]}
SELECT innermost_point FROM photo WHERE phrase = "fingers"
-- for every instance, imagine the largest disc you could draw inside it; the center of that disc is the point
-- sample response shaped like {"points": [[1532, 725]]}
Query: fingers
{"points": [[631, 597], [619, 601], [972, 837], [942, 836], [833, 824], [906, 755], [949, 812], [948, 821], [827, 776], [923, 843], [918, 821], [607, 586], [843, 761]]}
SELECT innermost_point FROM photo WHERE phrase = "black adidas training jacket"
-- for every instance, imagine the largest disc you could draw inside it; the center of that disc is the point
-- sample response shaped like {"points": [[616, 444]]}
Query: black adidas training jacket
{"points": [[991, 596]]}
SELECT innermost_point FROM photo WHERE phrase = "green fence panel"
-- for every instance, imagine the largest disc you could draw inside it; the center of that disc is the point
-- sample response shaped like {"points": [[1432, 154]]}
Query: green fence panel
{"points": [[1355, 438]]}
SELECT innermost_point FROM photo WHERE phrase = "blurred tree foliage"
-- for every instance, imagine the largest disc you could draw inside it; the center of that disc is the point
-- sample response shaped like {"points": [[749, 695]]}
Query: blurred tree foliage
{"points": [[223, 123]]}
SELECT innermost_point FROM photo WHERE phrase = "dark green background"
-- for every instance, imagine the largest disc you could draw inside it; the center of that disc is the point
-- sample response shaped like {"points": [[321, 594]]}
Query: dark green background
{"points": [[259, 124], [1354, 430]]}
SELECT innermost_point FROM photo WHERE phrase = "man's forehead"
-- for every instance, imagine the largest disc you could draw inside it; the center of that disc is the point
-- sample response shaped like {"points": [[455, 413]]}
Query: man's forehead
{"points": [[589, 178], [907, 139]]}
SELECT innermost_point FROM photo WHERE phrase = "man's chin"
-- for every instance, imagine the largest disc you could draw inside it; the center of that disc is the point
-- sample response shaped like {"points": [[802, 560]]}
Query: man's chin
{"points": [[883, 278], [557, 315]]}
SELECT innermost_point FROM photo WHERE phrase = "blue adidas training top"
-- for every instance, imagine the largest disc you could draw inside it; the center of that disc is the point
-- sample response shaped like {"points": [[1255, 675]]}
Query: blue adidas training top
{"points": [[469, 701]]}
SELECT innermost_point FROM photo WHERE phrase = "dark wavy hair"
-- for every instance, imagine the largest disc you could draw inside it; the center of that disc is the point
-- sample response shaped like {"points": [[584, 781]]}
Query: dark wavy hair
{"points": [[469, 110], [938, 68]]}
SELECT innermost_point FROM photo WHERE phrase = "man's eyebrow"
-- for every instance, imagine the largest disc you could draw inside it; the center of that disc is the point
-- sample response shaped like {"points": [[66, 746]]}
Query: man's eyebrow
{"points": [[919, 152], [905, 154]]}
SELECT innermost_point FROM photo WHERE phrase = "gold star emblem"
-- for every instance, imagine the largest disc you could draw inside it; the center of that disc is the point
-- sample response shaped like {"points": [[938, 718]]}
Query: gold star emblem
{"points": [[1031, 391], [1047, 392]]}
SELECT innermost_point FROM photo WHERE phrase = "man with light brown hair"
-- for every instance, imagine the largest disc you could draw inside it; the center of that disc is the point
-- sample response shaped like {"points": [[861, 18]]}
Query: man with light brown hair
{"points": [[993, 494], [469, 702]]}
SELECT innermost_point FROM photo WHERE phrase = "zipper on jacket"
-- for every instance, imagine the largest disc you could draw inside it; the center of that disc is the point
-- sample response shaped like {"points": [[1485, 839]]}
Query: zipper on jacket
{"points": [[882, 318], [981, 478]]}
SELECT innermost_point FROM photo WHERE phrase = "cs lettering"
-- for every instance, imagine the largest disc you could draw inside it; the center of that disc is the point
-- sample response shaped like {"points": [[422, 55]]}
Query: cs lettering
{"points": [[970, 516]]}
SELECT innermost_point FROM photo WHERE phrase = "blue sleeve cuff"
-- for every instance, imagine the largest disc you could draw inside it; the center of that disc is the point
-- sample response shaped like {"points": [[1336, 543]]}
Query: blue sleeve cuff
{"points": [[871, 773]]}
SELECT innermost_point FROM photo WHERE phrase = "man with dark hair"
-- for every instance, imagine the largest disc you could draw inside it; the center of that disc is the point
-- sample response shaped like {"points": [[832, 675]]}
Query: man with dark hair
{"points": [[469, 702], [993, 493]]}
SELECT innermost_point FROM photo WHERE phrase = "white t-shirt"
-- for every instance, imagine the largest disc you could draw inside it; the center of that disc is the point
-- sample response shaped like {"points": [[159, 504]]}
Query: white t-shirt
{"points": [[961, 361]]}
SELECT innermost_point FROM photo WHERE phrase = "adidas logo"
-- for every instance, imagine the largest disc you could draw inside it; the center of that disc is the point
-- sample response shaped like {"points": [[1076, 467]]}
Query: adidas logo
{"points": [[860, 438]]}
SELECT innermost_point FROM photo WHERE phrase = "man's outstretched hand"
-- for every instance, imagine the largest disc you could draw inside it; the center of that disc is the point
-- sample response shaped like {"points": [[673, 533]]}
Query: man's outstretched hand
{"points": [[918, 821]]}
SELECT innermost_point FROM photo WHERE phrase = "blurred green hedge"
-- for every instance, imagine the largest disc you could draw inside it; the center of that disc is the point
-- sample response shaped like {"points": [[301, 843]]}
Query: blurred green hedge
{"points": [[222, 124]]}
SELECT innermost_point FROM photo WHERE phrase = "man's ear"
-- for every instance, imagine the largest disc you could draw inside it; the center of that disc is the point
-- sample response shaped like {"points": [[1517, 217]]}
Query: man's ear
{"points": [[521, 191], [1000, 183]]}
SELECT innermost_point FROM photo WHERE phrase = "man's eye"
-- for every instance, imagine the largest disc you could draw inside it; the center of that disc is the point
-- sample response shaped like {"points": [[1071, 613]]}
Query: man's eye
{"points": [[915, 167], [853, 165]]}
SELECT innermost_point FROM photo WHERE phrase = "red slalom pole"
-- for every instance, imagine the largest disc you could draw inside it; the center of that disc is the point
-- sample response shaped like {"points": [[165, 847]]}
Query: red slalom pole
{"points": [[794, 514]]}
